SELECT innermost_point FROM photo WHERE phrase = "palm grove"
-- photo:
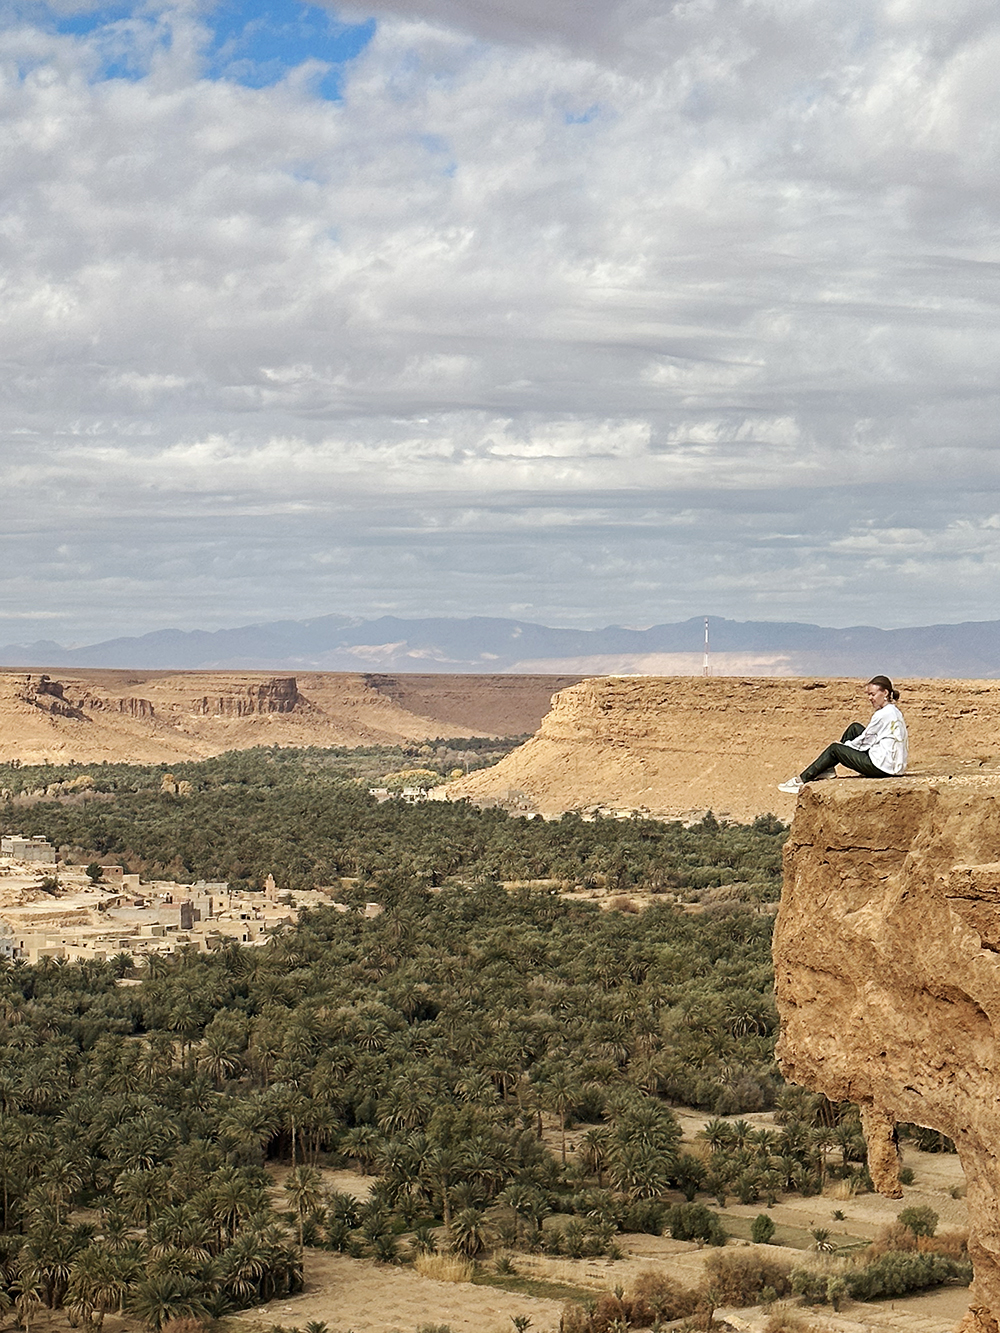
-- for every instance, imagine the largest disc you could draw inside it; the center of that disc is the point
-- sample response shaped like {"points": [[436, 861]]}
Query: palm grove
{"points": [[427, 1047]]}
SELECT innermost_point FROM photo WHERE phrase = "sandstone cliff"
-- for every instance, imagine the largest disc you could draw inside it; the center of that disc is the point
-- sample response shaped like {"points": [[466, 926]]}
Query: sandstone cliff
{"points": [[161, 717], [678, 746], [887, 969]]}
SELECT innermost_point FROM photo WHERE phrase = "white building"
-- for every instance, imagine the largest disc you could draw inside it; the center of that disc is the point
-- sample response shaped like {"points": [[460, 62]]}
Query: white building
{"points": [[16, 847]]}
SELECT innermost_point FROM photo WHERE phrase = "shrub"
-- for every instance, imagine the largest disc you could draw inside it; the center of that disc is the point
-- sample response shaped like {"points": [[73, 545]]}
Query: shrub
{"points": [[836, 1290], [444, 1267], [575, 1318], [738, 1277], [809, 1283], [762, 1229], [955, 1244], [693, 1221], [610, 1312], [890, 1239], [655, 1298], [895, 1274], [921, 1221], [664, 1298], [646, 1215]]}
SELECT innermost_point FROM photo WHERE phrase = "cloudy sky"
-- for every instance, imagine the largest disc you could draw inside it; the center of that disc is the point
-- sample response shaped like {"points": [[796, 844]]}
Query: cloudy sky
{"points": [[580, 311]]}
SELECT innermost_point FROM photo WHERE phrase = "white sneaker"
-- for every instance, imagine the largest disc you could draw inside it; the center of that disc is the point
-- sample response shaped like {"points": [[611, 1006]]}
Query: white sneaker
{"points": [[793, 786]]}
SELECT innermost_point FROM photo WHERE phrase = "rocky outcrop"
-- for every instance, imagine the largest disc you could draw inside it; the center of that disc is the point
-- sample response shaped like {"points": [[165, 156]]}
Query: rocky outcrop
{"points": [[168, 716], [129, 705], [887, 969], [49, 697], [279, 695], [677, 747]]}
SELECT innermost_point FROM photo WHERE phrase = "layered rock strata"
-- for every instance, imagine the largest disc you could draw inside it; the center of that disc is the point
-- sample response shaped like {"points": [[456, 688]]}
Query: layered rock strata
{"points": [[677, 747], [163, 716], [887, 970]]}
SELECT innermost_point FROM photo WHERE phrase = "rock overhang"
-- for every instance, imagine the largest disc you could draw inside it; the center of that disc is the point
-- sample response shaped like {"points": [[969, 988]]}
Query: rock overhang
{"points": [[887, 973]]}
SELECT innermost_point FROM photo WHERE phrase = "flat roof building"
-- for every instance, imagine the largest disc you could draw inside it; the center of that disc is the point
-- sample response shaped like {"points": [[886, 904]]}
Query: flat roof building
{"points": [[19, 848]]}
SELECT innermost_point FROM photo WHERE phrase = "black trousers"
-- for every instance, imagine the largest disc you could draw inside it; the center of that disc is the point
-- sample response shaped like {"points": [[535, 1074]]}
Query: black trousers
{"points": [[841, 753]]}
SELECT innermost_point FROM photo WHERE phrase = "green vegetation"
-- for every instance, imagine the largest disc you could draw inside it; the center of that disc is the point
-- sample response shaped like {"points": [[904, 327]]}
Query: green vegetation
{"points": [[500, 1063], [892, 1274], [307, 818], [922, 1220]]}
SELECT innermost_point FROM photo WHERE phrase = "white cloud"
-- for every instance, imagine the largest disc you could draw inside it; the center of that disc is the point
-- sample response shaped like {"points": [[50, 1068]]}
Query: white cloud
{"points": [[649, 311]]}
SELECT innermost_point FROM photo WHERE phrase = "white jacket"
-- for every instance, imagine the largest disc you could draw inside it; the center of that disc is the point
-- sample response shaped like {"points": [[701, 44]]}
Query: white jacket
{"points": [[885, 740]]}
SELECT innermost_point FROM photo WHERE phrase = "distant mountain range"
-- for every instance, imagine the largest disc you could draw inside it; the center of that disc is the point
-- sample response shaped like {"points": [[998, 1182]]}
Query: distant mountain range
{"points": [[483, 645]]}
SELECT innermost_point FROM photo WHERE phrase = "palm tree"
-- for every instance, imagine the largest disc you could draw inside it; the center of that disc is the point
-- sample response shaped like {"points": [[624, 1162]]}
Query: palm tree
{"points": [[717, 1134], [232, 1199], [363, 1144], [304, 1187], [165, 1296], [438, 1168], [28, 1296], [242, 1268], [98, 1284], [469, 1232], [217, 1057], [593, 1151], [561, 1093]]}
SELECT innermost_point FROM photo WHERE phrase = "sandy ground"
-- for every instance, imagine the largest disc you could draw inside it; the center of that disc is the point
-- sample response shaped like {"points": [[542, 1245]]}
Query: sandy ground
{"points": [[89, 715], [369, 1298], [366, 1297]]}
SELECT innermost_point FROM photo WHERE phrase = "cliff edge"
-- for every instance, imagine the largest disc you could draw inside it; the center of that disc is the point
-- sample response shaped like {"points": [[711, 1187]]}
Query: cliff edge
{"points": [[677, 746], [887, 971]]}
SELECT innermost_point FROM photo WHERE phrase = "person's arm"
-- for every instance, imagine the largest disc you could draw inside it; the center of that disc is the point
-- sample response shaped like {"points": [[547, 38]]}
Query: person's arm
{"points": [[875, 728]]}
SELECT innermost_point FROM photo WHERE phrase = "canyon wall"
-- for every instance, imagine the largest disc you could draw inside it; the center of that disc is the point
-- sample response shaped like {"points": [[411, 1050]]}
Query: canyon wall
{"points": [[677, 746], [887, 971], [162, 717]]}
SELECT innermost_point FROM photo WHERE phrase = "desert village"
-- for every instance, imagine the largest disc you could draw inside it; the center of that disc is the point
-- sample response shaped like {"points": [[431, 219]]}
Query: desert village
{"points": [[52, 910]]}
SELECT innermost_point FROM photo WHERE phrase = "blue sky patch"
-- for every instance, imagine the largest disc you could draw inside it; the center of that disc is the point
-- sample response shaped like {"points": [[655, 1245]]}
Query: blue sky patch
{"points": [[82, 25], [250, 43], [117, 27], [258, 46]]}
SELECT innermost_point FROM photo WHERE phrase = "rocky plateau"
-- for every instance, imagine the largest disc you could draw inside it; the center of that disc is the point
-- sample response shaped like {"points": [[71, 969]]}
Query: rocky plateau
{"points": [[89, 715], [677, 746]]}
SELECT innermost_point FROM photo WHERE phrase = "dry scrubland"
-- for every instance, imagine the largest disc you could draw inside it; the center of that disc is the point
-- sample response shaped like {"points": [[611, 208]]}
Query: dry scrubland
{"points": [[677, 747], [366, 1297], [150, 717]]}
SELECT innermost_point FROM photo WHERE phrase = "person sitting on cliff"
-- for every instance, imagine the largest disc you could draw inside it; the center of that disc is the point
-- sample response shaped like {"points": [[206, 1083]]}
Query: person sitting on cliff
{"points": [[876, 751]]}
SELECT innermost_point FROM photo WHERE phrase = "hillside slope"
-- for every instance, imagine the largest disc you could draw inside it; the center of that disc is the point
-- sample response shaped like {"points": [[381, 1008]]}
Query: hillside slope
{"points": [[678, 746], [162, 717]]}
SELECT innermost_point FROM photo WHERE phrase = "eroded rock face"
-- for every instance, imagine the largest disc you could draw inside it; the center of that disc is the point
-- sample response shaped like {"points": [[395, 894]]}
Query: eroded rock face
{"points": [[280, 695], [676, 746], [887, 970]]}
